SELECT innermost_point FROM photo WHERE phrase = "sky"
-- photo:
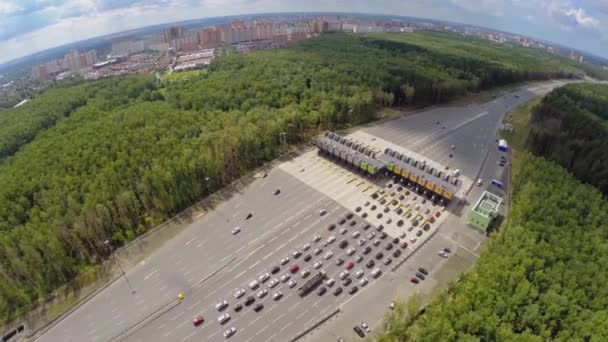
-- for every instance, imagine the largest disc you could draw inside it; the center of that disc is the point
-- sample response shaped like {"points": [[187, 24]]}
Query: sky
{"points": [[29, 26]]}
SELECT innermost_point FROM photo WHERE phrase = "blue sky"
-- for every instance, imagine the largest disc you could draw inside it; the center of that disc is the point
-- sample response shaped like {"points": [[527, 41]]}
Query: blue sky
{"points": [[28, 26]]}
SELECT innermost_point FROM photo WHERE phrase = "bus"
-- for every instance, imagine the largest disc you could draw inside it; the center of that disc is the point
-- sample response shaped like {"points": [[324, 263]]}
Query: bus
{"points": [[496, 183], [311, 284]]}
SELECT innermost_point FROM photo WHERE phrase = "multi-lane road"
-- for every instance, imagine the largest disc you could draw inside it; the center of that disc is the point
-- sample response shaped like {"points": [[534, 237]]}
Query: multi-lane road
{"points": [[208, 263]]}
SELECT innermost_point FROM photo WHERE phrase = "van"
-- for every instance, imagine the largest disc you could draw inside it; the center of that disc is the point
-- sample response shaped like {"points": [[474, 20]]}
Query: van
{"points": [[253, 284], [376, 272]]}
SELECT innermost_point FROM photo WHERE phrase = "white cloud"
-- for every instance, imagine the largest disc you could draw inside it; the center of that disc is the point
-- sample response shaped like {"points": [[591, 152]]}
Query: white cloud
{"points": [[582, 18], [8, 7]]}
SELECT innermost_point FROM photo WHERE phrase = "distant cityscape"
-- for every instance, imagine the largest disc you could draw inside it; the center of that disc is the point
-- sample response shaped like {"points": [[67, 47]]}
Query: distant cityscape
{"points": [[176, 48]]}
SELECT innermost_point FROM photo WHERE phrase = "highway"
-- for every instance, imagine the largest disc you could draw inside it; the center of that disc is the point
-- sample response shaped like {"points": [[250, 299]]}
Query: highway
{"points": [[279, 225]]}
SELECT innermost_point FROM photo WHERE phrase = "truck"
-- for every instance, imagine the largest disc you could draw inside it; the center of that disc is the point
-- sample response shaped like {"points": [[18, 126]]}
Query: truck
{"points": [[502, 145], [311, 284]]}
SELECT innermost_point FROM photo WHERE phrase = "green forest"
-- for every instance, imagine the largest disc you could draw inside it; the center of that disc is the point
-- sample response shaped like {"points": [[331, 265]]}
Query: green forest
{"points": [[570, 127], [542, 279], [107, 160]]}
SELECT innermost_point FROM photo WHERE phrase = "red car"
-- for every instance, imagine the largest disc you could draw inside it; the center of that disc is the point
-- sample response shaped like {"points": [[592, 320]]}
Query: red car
{"points": [[414, 280], [198, 320], [294, 268], [403, 245], [432, 219], [350, 265], [437, 214]]}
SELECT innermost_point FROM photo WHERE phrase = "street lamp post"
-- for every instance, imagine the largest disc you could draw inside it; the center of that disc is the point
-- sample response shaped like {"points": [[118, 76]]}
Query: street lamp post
{"points": [[122, 271]]}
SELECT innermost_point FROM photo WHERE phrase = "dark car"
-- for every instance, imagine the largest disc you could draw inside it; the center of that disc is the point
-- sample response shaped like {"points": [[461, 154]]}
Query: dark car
{"points": [[379, 215], [337, 291], [250, 215], [346, 282], [307, 257], [383, 235], [423, 271], [238, 307], [380, 227], [331, 227], [379, 255], [366, 227], [249, 300], [387, 209], [388, 246], [258, 307], [343, 244], [339, 261], [275, 269], [352, 223], [358, 209], [414, 280], [373, 207], [349, 216], [400, 222], [396, 253], [358, 331], [364, 215], [353, 290], [419, 233], [420, 276], [321, 291], [367, 250], [370, 264], [396, 240], [342, 220]]}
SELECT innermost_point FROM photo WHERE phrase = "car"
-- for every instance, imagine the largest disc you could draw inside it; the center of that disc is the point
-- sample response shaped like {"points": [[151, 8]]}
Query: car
{"points": [[364, 215], [358, 330], [330, 282], [373, 207], [258, 307], [383, 235], [423, 270], [386, 210], [442, 254], [437, 214], [328, 255], [367, 226], [352, 223], [380, 227], [249, 301], [337, 291], [221, 305], [387, 261], [370, 263], [339, 261], [420, 276], [376, 272], [479, 182], [413, 240], [277, 191], [275, 269], [379, 255], [362, 242], [305, 272], [427, 211], [250, 215], [501, 163], [322, 212], [392, 305], [402, 235], [396, 240], [419, 233], [358, 258], [239, 293], [230, 331], [400, 223], [357, 209], [350, 265], [415, 223], [408, 215], [262, 293], [414, 280], [331, 239], [306, 247], [343, 231], [366, 327], [273, 282], [367, 250], [343, 244], [447, 250], [410, 228], [316, 238], [238, 307], [344, 274], [236, 230], [294, 268], [346, 281], [353, 290], [296, 254], [277, 295], [359, 274], [350, 251], [318, 264], [342, 221], [307, 257], [388, 246], [396, 253], [376, 242], [263, 277], [370, 235], [321, 291], [379, 216], [225, 317], [331, 227], [198, 320], [355, 234], [284, 261], [292, 284], [349, 216], [285, 277], [317, 251]]}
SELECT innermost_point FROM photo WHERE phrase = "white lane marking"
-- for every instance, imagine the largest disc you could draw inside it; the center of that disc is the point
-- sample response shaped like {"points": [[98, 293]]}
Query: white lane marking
{"points": [[264, 328], [294, 306], [162, 288], [189, 336], [238, 205], [181, 325], [236, 214], [160, 327], [177, 316], [151, 274], [254, 265], [139, 302], [193, 305], [190, 241], [217, 331], [278, 318], [271, 337], [210, 294], [240, 274], [200, 244], [286, 325], [92, 332], [117, 316], [255, 320], [267, 255], [302, 314]]}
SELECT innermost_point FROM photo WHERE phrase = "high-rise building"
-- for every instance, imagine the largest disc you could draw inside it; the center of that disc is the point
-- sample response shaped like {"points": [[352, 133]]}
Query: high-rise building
{"points": [[263, 30], [209, 37], [173, 33]]}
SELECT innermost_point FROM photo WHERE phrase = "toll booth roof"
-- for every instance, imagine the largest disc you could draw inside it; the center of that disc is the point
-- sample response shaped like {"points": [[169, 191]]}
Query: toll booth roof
{"points": [[326, 143]]}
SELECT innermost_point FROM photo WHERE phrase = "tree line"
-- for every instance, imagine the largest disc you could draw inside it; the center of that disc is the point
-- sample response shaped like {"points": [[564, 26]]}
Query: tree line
{"points": [[107, 160]]}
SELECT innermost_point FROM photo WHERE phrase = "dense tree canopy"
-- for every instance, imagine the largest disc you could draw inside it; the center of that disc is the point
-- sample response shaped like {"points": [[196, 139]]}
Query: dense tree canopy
{"points": [[110, 159], [543, 279], [571, 127]]}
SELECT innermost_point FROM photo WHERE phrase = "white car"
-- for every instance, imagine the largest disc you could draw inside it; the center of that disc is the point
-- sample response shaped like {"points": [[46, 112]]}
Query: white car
{"points": [[262, 293], [478, 182], [322, 212], [355, 234], [292, 284], [239, 293], [343, 231], [305, 272], [284, 261], [366, 327], [350, 251], [223, 318], [220, 305], [402, 235], [413, 240], [277, 295], [236, 230], [318, 264], [331, 239], [231, 331], [263, 277], [317, 251], [330, 282], [376, 272], [273, 282], [362, 242], [359, 273], [306, 247], [285, 277], [316, 238], [376, 242], [363, 281], [344, 274], [328, 255], [371, 235], [442, 253], [296, 253]]}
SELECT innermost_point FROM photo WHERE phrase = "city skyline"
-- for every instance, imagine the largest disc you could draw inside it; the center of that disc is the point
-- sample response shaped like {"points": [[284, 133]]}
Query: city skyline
{"points": [[27, 27]]}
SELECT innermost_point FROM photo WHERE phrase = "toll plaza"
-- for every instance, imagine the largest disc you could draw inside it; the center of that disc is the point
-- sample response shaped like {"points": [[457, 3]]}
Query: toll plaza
{"points": [[350, 152]]}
